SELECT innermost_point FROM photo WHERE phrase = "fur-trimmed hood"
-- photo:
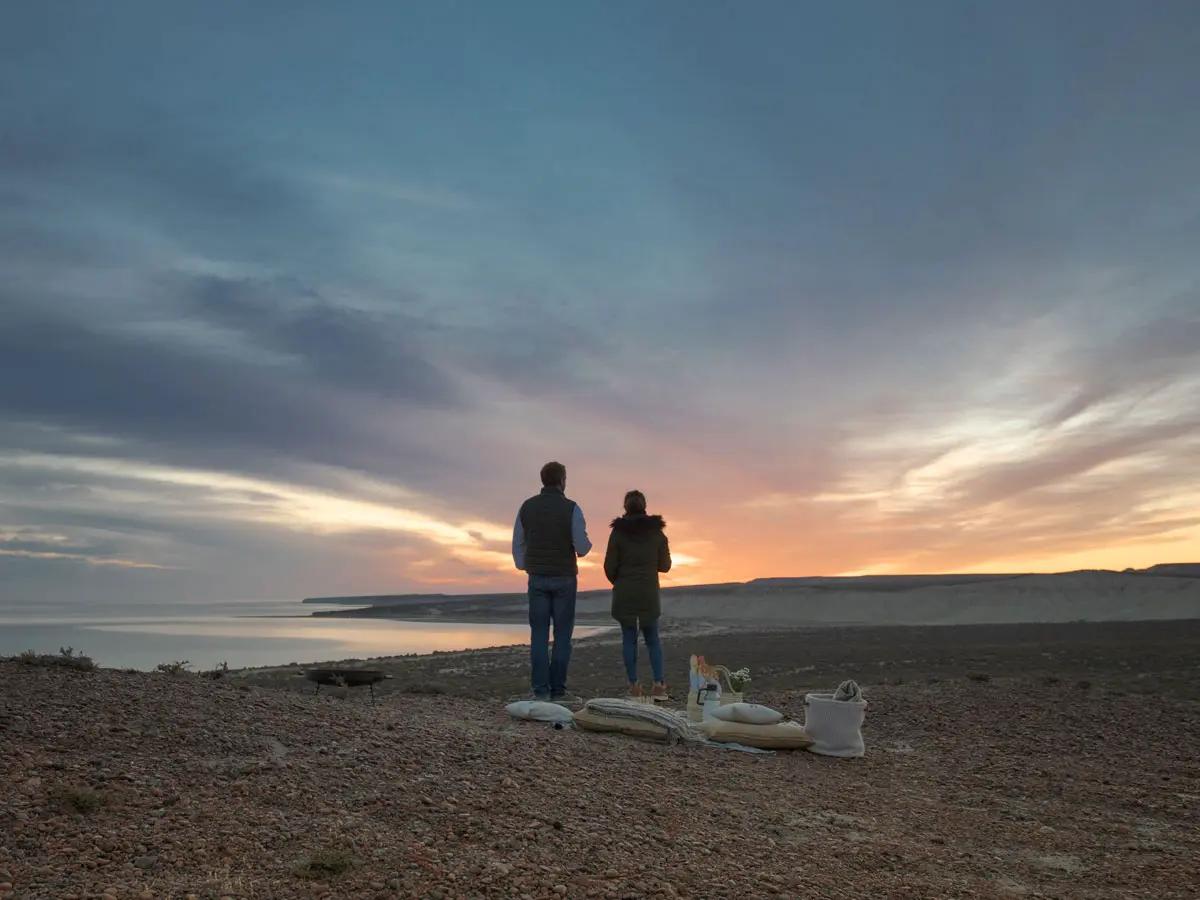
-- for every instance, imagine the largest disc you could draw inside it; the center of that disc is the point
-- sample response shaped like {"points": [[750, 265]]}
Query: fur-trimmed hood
{"points": [[638, 524]]}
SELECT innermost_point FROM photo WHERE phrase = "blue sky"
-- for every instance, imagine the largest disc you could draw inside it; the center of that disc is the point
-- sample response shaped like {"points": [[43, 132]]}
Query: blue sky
{"points": [[298, 297]]}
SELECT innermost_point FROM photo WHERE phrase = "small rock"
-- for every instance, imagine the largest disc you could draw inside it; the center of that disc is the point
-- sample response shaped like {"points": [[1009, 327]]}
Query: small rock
{"points": [[145, 862]]}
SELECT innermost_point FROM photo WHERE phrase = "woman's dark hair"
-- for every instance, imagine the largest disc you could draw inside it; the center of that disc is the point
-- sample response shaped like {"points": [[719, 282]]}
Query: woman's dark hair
{"points": [[635, 502]]}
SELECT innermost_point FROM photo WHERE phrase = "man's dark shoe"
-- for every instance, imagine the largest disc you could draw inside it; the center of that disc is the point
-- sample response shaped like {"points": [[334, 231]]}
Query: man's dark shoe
{"points": [[542, 698]]}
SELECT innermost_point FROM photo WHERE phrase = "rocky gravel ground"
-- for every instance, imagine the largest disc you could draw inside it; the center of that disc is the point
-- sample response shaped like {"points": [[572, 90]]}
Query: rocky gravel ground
{"points": [[126, 785]]}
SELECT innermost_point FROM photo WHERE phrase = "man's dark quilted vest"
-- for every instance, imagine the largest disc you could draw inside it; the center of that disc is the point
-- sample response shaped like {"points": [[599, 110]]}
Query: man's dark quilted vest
{"points": [[546, 520]]}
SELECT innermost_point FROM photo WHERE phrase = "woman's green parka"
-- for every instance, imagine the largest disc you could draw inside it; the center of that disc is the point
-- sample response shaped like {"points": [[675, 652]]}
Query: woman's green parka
{"points": [[637, 552]]}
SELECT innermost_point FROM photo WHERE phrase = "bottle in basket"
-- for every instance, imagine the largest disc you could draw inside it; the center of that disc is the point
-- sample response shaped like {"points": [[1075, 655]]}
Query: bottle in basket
{"points": [[709, 700]]}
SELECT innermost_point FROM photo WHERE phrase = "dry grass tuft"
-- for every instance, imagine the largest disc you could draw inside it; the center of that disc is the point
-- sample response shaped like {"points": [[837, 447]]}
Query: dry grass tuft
{"points": [[75, 799], [326, 863]]}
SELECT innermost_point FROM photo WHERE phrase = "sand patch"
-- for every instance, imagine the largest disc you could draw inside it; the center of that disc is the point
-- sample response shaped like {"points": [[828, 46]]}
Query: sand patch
{"points": [[1059, 863], [1008, 885]]}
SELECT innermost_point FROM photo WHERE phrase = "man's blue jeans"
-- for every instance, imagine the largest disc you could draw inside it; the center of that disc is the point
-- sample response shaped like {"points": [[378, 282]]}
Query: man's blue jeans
{"points": [[551, 601]]}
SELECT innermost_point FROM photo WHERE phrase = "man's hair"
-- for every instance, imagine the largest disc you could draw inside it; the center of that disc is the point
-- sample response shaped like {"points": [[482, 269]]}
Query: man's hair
{"points": [[635, 502], [553, 474]]}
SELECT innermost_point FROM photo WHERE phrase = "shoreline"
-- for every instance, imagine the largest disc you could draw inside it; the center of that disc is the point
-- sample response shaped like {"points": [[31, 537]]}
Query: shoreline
{"points": [[782, 658], [677, 632]]}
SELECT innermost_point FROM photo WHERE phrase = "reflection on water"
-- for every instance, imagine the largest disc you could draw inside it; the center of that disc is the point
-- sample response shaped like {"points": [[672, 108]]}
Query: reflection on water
{"points": [[380, 637], [124, 639]]}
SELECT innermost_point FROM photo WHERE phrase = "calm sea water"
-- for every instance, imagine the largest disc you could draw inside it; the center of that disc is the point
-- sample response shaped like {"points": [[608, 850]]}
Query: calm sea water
{"points": [[140, 636]]}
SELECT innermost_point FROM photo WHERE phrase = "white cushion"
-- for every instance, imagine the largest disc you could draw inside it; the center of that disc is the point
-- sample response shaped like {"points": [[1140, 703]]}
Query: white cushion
{"points": [[539, 711], [748, 714]]}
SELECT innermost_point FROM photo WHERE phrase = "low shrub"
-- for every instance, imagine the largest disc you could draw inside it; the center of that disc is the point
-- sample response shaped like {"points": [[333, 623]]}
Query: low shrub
{"points": [[75, 799], [66, 658], [325, 863]]}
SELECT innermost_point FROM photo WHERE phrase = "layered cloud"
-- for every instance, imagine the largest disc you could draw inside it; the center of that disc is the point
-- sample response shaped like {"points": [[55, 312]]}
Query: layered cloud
{"points": [[915, 291]]}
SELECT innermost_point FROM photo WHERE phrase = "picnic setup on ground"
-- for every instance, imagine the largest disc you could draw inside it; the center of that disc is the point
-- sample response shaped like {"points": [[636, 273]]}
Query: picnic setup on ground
{"points": [[717, 714]]}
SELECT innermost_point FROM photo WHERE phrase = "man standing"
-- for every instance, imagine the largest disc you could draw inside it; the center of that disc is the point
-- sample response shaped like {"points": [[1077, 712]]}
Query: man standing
{"points": [[548, 537]]}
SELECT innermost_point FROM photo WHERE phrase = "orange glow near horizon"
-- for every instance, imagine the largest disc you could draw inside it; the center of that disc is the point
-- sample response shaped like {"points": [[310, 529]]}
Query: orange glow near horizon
{"points": [[906, 528]]}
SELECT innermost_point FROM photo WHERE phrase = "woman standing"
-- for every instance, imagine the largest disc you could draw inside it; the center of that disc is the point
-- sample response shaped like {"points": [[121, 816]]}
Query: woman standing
{"points": [[637, 552]]}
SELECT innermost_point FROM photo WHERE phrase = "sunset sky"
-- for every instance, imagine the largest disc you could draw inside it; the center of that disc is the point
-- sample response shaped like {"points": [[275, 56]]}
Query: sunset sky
{"points": [[297, 297]]}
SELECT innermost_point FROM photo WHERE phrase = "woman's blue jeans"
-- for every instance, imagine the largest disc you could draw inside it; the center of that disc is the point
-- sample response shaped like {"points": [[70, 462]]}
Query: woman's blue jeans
{"points": [[629, 648]]}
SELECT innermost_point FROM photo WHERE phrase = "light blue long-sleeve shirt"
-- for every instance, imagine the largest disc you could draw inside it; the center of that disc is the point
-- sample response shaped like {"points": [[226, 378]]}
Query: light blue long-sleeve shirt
{"points": [[579, 537]]}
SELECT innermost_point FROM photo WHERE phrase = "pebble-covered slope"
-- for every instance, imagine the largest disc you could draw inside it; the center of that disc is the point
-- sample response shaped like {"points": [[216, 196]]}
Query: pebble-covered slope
{"points": [[211, 789]]}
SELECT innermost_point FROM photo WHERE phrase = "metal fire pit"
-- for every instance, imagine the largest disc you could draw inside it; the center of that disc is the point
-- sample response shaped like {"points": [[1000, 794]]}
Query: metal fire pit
{"points": [[350, 678]]}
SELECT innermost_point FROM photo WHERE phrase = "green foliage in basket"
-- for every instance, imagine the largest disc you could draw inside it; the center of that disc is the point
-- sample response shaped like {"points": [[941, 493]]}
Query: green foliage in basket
{"points": [[739, 679]]}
